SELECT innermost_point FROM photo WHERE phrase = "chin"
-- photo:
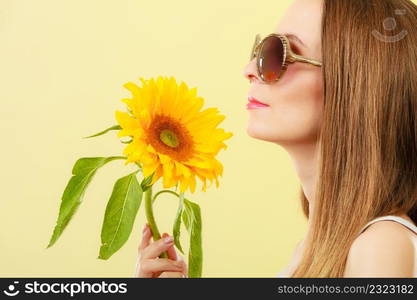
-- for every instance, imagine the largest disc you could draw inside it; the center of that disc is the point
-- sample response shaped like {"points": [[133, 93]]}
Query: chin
{"points": [[280, 138], [259, 133]]}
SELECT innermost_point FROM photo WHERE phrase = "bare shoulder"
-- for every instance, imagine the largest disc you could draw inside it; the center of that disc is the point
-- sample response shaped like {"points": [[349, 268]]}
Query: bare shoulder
{"points": [[384, 249]]}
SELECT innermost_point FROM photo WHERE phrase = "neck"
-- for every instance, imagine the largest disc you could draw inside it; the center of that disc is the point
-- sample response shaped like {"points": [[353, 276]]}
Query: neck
{"points": [[305, 160]]}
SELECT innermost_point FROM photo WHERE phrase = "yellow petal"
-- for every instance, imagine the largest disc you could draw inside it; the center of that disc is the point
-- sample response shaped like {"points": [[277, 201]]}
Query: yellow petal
{"points": [[182, 170], [192, 184], [183, 185], [165, 159], [157, 175], [133, 88], [168, 176]]}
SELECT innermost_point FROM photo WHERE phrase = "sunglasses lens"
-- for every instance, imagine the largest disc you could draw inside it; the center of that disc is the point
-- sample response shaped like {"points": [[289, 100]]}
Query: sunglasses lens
{"points": [[271, 58]]}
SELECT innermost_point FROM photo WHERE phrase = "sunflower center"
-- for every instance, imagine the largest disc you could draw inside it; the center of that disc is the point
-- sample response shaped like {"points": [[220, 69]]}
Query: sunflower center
{"points": [[169, 138]]}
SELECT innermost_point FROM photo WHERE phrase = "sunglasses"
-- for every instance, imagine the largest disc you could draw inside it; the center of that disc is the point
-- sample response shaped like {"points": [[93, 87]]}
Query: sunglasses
{"points": [[273, 55]]}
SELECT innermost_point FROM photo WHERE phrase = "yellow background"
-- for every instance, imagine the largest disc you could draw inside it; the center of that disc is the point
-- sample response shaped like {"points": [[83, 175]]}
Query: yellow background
{"points": [[63, 64]]}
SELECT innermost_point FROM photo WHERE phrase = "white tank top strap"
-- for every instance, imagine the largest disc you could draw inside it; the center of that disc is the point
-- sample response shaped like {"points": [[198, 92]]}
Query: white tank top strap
{"points": [[398, 219]]}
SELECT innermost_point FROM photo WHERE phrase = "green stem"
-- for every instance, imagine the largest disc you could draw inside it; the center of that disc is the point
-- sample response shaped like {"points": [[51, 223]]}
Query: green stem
{"points": [[150, 218], [164, 191]]}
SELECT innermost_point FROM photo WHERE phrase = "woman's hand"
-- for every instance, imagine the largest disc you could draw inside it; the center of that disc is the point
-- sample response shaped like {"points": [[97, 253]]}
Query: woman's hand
{"points": [[150, 265]]}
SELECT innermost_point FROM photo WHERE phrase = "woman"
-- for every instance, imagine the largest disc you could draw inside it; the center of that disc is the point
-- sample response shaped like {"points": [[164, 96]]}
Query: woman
{"points": [[346, 112]]}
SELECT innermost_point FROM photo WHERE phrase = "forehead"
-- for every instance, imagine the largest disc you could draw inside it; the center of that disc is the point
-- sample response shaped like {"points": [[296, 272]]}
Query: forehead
{"points": [[303, 18]]}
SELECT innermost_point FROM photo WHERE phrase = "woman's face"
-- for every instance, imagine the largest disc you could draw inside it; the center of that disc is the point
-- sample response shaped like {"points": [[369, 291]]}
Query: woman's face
{"points": [[295, 101]]}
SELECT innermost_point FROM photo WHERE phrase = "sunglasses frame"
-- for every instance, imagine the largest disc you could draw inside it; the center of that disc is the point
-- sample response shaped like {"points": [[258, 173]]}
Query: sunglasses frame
{"points": [[289, 55]]}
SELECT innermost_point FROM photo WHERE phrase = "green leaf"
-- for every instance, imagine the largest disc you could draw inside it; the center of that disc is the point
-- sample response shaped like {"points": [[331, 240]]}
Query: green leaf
{"points": [[185, 220], [120, 214], [83, 171], [115, 127], [177, 224], [192, 221]]}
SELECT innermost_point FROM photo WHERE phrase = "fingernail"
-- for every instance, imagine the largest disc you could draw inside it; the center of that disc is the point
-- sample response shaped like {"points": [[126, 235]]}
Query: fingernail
{"points": [[144, 227], [168, 240]]}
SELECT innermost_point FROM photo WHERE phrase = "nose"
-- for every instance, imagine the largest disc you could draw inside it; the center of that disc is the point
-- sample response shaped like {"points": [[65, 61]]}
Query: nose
{"points": [[250, 72]]}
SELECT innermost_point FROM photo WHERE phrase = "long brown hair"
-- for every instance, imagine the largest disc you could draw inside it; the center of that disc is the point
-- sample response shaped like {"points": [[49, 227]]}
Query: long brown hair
{"points": [[368, 137]]}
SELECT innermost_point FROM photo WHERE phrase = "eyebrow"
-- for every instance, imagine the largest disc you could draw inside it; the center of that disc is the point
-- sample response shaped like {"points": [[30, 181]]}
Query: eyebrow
{"points": [[295, 38]]}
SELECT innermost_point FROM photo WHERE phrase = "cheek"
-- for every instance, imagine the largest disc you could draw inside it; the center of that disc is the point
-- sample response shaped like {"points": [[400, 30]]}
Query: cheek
{"points": [[296, 108]]}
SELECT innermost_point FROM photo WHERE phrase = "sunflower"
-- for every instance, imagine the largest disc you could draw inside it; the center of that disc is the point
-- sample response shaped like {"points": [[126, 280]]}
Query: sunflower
{"points": [[170, 136]]}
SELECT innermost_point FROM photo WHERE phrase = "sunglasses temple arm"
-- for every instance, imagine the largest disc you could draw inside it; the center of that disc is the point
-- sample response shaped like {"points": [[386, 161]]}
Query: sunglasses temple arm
{"points": [[306, 60], [255, 46]]}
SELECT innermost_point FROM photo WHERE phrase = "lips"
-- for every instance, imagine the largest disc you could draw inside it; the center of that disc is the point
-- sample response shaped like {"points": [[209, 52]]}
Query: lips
{"points": [[256, 101]]}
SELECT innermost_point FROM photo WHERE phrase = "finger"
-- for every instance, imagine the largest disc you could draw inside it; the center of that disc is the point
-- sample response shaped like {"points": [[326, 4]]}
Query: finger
{"points": [[172, 254], [185, 268], [171, 275], [151, 266], [146, 237], [137, 268], [156, 248]]}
